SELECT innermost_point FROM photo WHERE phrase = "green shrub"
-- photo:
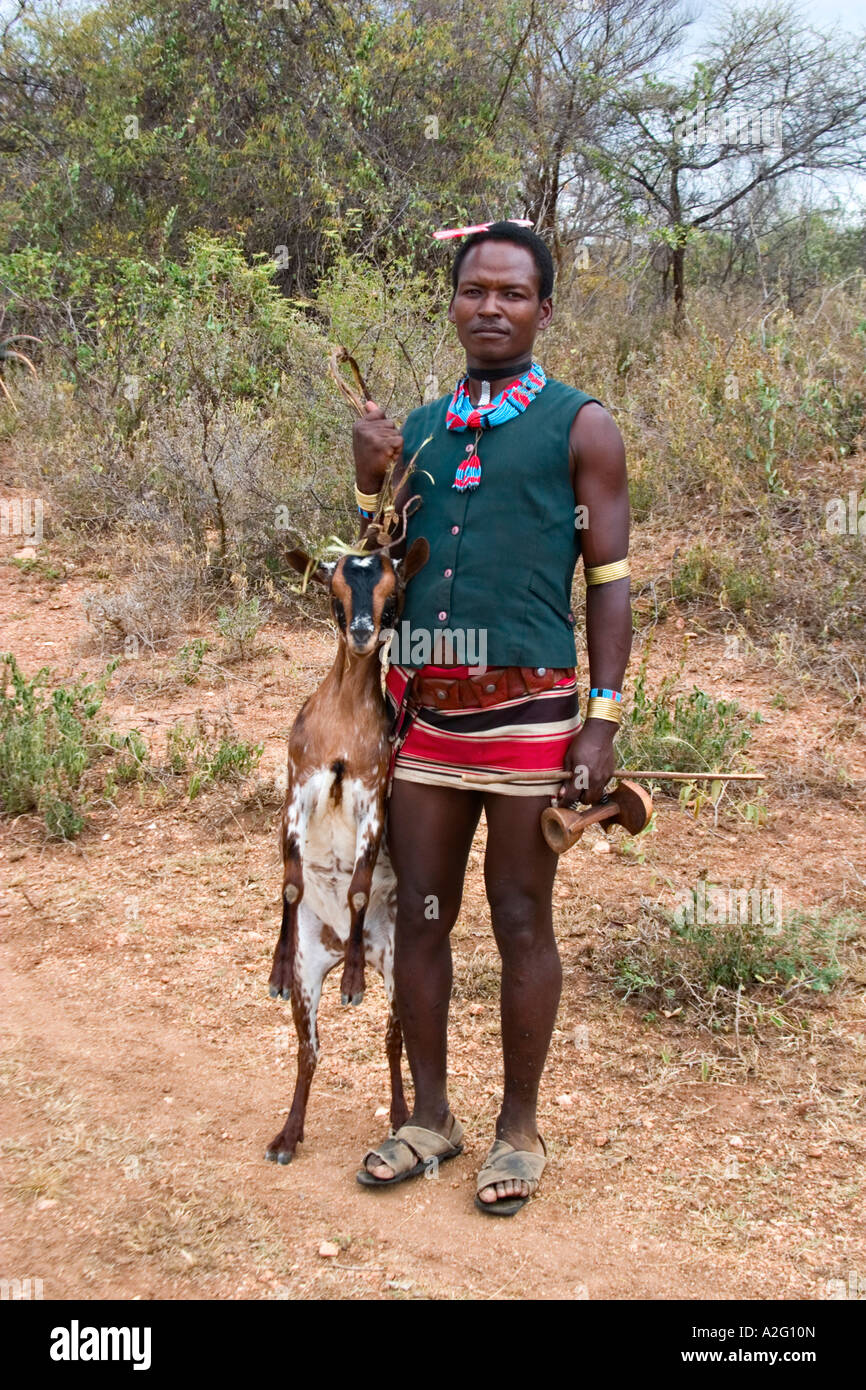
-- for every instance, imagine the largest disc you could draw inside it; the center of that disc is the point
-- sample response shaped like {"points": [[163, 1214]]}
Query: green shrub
{"points": [[48, 740], [680, 733], [743, 954], [209, 752], [240, 625], [189, 659], [43, 569], [131, 765], [212, 391], [726, 973]]}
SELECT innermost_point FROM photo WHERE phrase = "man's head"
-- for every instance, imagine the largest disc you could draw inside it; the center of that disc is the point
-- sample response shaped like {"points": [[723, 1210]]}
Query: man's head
{"points": [[502, 282]]}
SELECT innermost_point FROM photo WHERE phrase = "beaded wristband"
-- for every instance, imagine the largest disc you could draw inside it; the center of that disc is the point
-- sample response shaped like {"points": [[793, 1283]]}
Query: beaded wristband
{"points": [[605, 694], [600, 708], [368, 516]]}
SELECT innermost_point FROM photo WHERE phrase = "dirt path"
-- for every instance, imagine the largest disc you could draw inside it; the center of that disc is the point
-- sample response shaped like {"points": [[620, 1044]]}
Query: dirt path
{"points": [[144, 1068]]}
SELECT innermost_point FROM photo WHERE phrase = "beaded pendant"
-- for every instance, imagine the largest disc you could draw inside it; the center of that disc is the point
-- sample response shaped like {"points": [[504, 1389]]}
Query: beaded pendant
{"points": [[469, 469]]}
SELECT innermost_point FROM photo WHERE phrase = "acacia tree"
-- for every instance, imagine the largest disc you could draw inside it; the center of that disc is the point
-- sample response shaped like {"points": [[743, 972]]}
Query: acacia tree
{"points": [[771, 99], [575, 64]]}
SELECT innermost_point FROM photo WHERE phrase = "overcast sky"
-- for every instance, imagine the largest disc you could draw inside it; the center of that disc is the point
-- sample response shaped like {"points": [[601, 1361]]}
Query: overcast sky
{"points": [[832, 15], [828, 14]]}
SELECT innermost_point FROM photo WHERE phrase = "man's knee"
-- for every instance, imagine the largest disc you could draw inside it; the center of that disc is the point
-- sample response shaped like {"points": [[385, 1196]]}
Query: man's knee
{"points": [[420, 912], [522, 921]]}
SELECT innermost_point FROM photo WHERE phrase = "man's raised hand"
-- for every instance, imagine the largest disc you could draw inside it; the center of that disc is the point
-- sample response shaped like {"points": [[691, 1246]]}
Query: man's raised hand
{"points": [[376, 440]]}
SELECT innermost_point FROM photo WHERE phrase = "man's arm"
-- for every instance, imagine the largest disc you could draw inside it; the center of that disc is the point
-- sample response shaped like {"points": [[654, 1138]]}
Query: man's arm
{"points": [[601, 491]]}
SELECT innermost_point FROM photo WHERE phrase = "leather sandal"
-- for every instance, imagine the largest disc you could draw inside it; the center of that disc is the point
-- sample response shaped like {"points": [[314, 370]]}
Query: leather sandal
{"points": [[410, 1152], [507, 1164]]}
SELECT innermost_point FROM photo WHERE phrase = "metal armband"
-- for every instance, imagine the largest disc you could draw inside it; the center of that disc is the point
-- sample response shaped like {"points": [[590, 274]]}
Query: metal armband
{"points": [[605, 574]]}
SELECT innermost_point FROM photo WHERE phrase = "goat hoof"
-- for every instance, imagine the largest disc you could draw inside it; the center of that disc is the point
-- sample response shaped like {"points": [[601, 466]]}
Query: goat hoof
{"points": [[278, 1153], [356, 998], [273, 992], [287, 993], [278, 1156], [344, 998]]}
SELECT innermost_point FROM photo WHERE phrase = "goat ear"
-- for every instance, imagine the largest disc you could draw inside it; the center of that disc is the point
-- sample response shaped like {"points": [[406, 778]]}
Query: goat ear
{"points": [[301, 561], [416, 558]]}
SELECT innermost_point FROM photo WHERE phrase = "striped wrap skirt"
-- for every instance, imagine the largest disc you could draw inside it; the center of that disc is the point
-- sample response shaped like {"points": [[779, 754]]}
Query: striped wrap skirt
{"points": [[527, 735]]}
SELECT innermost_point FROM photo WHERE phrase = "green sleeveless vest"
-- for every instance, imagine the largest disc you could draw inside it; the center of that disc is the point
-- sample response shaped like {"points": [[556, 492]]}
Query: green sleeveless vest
{"points": [[502, 555]]}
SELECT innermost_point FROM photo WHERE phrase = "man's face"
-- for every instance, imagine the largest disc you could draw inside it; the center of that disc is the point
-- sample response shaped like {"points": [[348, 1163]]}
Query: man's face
{"points": [[496, 309]]}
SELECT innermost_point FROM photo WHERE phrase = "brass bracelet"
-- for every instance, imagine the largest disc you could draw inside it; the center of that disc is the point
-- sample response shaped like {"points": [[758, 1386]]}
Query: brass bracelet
{"points": [[600, 707], [368, 501], [605, 574]]}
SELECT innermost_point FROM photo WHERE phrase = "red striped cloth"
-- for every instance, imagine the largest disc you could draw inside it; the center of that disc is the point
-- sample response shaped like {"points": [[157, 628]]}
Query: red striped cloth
{"points": [[528, 734]]}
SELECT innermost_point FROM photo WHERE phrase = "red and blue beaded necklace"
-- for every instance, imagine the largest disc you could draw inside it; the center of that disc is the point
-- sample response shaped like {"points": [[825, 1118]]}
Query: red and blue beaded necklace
{"points": [[462, 414]]}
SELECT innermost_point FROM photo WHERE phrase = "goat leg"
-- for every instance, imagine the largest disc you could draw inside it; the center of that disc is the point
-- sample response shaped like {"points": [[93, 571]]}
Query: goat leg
{"points": [[394, 1053], [352, 983], [282, 1147], [282, 969]]}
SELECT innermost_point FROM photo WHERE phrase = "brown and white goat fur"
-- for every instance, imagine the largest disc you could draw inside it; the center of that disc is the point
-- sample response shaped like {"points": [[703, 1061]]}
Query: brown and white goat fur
{"points": [[339, 889]]}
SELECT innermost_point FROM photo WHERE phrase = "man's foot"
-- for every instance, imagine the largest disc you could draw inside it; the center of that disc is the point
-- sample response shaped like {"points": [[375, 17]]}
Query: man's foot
{"points": [[377, 1169], [520, 1158]]}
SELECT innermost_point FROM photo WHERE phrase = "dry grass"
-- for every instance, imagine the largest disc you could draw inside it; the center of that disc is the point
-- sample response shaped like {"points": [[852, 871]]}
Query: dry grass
{"points": [[200, 1229], [476, 975]]}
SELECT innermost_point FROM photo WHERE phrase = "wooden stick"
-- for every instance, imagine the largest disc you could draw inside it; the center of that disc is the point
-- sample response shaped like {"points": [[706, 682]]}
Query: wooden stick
{"points": [[659, 776], [697, 776], [338, 355]]}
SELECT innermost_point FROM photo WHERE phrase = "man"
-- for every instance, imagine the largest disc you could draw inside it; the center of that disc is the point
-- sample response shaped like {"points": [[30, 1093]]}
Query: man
{"points": [[521, 475]]}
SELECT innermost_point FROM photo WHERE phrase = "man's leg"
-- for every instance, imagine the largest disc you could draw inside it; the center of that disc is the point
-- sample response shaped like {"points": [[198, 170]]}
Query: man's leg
{"points": [[430, 833], [519, 869]]}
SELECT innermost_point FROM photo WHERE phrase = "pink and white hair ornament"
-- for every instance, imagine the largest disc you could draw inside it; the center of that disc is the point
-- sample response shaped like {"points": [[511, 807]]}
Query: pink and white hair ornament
{"points": [[445, 233]]}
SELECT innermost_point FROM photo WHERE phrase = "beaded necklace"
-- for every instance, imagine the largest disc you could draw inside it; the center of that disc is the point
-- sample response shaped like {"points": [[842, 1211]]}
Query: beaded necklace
{"points": [[462, 414]]}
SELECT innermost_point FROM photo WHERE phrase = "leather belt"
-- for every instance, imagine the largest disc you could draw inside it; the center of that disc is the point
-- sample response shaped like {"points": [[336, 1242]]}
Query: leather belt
{"points": [[493, 687]]}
